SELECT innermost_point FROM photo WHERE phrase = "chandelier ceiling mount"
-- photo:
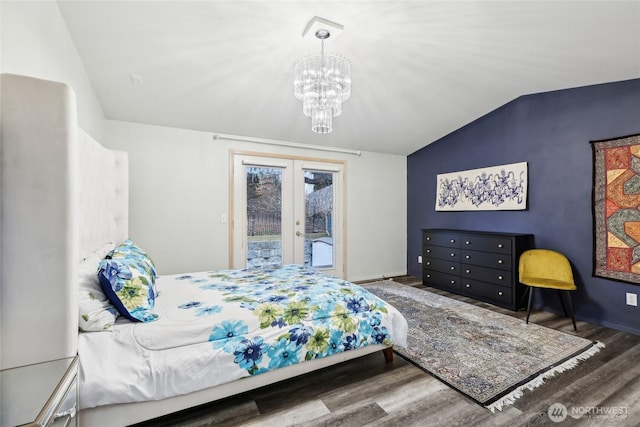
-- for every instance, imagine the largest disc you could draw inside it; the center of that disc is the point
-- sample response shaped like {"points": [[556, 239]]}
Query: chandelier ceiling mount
{"points": [[322, 81]]}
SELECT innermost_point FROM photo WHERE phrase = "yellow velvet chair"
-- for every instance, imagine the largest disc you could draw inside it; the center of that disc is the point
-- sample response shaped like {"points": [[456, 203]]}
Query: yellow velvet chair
{"points": [[544, 268]]}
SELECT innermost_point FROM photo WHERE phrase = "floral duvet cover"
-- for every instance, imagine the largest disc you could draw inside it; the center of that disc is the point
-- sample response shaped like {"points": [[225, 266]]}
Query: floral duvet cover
{"points": [[216, 327]]}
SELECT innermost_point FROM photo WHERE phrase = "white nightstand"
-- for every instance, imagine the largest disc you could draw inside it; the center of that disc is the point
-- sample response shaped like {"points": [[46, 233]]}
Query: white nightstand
{"points": [[44, 394]]}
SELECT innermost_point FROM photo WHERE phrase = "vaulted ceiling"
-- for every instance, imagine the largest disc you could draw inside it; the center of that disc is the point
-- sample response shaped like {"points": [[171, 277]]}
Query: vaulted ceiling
{"points": [[420, 69]]}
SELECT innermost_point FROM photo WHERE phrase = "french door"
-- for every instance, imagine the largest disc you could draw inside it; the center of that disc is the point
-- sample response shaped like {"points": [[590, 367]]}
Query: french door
{"points": [[287, 210]]}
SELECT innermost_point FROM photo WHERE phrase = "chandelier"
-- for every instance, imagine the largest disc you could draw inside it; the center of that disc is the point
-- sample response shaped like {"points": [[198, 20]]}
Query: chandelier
{"points": [[322, 82]]}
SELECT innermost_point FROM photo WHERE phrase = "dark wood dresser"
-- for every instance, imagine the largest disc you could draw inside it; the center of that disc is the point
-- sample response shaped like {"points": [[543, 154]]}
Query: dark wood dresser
{"points": [[478, 264]]}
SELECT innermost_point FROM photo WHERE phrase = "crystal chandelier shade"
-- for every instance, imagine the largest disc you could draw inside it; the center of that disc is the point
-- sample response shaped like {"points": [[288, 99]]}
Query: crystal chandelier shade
{"points": [[322, 82]]}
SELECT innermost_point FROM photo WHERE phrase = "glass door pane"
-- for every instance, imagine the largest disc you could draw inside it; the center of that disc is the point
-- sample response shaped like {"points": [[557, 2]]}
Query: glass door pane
{"points": [[318, 208], [287, 211], [264, 216]]}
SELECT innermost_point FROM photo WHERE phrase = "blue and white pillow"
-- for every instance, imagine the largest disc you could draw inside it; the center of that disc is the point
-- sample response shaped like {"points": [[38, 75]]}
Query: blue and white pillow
{"points": [[136, 256], [127, 277]]}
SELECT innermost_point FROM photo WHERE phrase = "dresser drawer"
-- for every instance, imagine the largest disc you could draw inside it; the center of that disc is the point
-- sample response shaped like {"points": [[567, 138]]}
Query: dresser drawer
{"points": [[441, 280], [441, 265], [487, 291], [440, 252], [487, 259], [485, 274], [486, 243], [478, 264], [450, 240]]}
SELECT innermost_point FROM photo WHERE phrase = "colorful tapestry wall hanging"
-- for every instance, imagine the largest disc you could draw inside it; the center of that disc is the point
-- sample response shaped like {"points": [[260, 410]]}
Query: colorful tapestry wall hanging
{"points": [[616, 208], [486, 189]]}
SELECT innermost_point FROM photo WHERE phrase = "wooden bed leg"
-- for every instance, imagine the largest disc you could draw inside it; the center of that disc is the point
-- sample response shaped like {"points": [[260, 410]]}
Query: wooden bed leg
{"points": [[388, 354]]}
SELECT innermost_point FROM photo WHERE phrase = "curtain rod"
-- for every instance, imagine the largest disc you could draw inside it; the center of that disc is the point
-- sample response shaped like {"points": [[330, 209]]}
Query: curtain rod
{"points": [[217, 136]]}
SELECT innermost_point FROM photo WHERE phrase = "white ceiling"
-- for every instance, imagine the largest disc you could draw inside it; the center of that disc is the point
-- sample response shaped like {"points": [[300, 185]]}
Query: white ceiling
{"points": [[420, 69]]}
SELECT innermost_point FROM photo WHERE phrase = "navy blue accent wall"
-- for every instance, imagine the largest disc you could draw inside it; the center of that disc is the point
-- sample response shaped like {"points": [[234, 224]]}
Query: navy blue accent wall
{"points": [[551, 132]]}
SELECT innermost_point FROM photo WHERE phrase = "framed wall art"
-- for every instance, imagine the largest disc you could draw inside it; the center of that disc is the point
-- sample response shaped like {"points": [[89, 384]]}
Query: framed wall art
{"points": [[492, 188]]}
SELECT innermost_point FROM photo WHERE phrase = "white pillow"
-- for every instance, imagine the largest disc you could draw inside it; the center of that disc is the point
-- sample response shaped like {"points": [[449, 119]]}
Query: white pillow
{"points": [[96, 313]]}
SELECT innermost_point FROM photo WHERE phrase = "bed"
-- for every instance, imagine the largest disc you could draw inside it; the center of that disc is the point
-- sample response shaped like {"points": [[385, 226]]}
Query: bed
{"points": [[148, 345]]}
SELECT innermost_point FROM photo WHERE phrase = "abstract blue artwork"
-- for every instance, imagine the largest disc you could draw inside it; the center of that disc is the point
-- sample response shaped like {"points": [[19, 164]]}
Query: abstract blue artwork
{"points": [[492, 188]]}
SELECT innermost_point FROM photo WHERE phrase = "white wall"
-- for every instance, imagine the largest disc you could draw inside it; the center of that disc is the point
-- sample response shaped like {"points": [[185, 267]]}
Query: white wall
{"points": [[1, 38], [179, 187], [35, 42], [179, 178]]}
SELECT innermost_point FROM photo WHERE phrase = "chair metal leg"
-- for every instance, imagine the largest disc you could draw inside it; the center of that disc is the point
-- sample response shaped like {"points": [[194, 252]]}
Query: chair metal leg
{"points": [[564, 308], [529, 304], [573, 317]]}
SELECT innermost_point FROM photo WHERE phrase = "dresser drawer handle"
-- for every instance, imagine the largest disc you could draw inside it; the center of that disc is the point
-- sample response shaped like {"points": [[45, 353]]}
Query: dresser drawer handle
{"points": [[467, 242], [453, 254], [500, 293], [468, 285], [500, 277], [453, 282], [428, 262], [428, 251], [453, 241], [428, 276], [467, 257], [452, 267], [499, 245], [500, 261], [428, 238], [467, 271]]}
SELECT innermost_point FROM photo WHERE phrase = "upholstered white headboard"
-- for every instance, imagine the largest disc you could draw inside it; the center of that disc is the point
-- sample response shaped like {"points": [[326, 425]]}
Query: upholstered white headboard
{"points": [[104, 195], [63, 195]]}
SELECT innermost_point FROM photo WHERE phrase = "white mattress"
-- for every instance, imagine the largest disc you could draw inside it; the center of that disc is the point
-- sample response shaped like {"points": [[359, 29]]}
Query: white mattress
{"points": [[174, 355]]}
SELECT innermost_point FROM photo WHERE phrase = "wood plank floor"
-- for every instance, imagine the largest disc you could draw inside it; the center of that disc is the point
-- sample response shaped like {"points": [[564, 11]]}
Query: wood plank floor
{"points": [[369, 392]]}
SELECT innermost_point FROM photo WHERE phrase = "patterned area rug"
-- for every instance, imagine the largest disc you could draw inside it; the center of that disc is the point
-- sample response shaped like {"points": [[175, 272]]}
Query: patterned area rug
{"points": [[490, 357]]}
